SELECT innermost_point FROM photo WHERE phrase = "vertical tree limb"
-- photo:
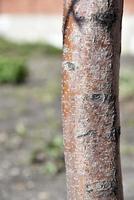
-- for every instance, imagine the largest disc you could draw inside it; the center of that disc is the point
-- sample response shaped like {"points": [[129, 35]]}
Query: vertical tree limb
{"points": [[91, 122]]}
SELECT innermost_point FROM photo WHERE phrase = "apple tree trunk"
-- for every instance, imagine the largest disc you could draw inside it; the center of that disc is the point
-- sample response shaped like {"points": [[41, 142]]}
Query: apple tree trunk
{"points": [[90, 104]]}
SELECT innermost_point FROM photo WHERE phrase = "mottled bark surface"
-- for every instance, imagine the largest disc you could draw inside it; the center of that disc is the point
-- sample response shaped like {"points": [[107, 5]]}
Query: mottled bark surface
{"points": [[91, 123]]}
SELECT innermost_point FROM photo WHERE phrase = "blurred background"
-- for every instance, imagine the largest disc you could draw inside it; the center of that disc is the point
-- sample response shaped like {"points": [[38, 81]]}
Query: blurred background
{"points": [[31, 150]]}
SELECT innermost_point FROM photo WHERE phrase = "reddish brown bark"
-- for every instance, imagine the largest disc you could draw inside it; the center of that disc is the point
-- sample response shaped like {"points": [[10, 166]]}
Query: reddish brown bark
{"points": [[91, 123]]}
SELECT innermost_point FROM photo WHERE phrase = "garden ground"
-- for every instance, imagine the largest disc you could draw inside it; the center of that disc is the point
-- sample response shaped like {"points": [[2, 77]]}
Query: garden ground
{"points": [[30, 118]]}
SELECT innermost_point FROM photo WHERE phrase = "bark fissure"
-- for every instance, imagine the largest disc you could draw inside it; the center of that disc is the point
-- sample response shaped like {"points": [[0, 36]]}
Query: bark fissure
{"points": [[108, 186], [105, 19], [90, 133]]}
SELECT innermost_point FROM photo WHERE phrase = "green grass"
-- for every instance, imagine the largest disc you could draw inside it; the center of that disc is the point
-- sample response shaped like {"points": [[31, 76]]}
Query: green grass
{"points": [[130, 123], [50, 155], [126, 83], [127, 149], [26, 49], [12, 56], [12, 70]]}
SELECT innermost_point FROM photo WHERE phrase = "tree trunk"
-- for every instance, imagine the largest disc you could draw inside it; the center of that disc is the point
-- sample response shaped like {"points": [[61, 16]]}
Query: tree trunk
{"points": [[90, 105]]}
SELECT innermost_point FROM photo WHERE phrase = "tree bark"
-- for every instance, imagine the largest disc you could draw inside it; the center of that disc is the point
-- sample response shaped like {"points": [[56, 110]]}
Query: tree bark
{"points": [[90, 104]]}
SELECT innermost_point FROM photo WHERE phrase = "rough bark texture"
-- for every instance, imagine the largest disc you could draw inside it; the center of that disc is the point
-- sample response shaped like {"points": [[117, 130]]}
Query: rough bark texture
{"points": [[91, 124]]}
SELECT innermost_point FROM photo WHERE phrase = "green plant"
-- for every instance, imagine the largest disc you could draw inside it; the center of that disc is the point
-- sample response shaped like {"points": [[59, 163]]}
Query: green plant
{"points": [[50, 168], [9, 48], [126, 83], [21, 129], [51, 155], [12, 70]]}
